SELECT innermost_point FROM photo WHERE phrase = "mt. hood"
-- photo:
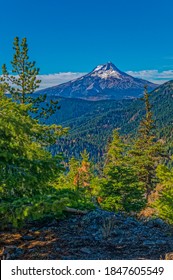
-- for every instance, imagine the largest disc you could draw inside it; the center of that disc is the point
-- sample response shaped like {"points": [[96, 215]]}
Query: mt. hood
{"points": [[106, 81]]}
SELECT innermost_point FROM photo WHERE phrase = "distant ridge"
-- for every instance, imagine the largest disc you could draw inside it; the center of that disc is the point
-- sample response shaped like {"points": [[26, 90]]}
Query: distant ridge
{"points": [[106, 81]]}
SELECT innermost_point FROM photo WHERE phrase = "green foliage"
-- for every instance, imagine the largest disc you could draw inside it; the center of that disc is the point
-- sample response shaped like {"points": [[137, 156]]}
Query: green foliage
{"points": [[26, 166], [23, 83], [79, 180], [120, 189], [47, 206], [164, 204], [27, 169], [20, 210], [146, 151]]}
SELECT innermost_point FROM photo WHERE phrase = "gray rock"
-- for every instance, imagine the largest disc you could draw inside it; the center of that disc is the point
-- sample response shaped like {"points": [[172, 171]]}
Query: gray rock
{"points": [[161, 242], [149, 243], [85, 250], [28, 237], [12, 252], [156, 223]]}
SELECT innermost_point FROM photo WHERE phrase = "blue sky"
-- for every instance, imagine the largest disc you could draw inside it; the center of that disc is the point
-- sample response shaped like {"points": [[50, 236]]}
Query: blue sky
{"points": [[74, 36]]}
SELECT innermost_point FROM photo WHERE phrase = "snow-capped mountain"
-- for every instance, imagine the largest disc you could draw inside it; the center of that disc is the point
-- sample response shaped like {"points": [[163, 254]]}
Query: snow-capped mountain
{"points": [[106, 81]]}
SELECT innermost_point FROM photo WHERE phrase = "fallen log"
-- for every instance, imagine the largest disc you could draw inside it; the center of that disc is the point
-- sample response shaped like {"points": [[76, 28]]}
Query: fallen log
{"points": [[75, 211]]}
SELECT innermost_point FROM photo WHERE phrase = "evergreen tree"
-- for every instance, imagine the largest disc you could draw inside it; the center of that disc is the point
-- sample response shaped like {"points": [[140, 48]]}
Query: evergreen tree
{"points": [[164, 204], [27, 169], [23, 82], [146, 152], [26, 165], [120, 189]]}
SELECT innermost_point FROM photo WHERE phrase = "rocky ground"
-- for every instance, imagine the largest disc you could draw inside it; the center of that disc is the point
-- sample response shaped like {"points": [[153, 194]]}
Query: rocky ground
{"points": [[97, 235]]}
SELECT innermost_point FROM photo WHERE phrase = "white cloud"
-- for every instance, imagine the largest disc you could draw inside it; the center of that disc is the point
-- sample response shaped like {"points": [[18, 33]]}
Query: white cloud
{"points": [[51, 80], [154, 76]]}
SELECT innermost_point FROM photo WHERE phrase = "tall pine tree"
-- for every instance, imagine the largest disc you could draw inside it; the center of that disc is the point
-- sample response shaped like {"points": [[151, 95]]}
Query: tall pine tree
{"points": [[146, 151], [23, 82], [27, 169], [120, 189]]}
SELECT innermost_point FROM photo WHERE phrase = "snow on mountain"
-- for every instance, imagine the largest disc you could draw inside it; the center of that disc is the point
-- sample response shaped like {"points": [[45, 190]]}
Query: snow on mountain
{"points": [[106, 81]]}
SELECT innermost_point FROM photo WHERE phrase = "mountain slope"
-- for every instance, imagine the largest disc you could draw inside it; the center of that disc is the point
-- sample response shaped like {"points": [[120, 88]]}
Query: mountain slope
{"points": [[104, 82], [91, 123]]}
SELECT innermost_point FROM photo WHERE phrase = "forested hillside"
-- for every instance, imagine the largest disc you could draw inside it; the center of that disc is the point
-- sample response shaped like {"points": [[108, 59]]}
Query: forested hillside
{"points": [[91, 123]]}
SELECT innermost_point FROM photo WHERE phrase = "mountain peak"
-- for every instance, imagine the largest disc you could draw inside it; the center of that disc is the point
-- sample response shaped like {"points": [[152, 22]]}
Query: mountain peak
{"points": [[107, 66], [107, 70]]}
